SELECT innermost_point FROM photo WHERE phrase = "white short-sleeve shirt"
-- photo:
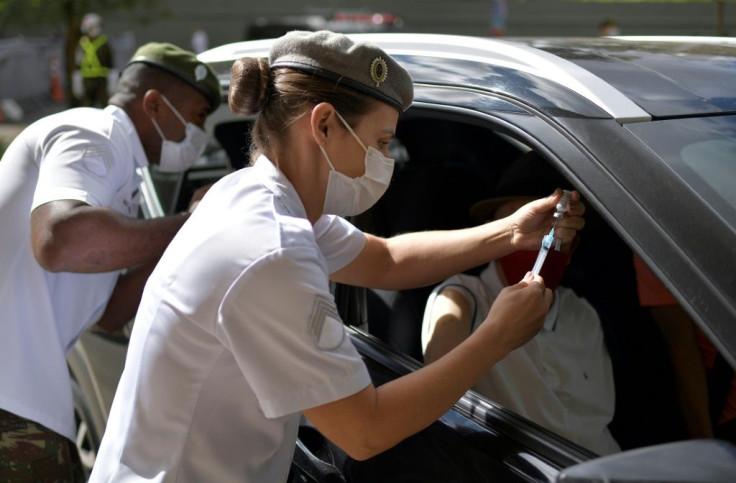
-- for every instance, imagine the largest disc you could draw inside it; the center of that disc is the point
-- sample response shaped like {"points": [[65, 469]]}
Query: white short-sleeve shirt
{"points": [[236, 334], [562, 379], [84, 154]]}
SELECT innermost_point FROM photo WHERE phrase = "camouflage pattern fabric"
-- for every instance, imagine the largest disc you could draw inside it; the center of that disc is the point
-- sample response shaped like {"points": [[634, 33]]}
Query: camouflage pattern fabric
{"points": [[30, 452]]}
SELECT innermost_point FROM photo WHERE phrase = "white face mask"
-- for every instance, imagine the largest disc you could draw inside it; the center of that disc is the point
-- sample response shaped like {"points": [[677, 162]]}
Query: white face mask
{"points": [[180, 156], [347, 196]]}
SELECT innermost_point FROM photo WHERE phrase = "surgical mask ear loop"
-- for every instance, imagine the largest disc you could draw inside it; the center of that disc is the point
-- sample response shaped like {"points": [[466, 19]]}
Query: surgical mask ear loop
{"points": [[351, 131], [160, 132], [174, 110], [339, 116], [332, 167]]}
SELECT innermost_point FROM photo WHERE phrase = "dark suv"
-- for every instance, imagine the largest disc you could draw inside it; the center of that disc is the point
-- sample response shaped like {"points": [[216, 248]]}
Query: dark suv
{"points": [[645, 129]]}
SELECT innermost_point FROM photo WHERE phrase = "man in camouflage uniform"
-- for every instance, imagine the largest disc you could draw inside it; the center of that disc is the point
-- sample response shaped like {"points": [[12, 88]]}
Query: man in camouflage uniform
{"points": [[23, 441], [72, 250]]}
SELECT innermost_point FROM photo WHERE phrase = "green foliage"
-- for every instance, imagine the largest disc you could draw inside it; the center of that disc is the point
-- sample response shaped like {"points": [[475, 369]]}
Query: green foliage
{"points": [[35, 13], [638, 1]]}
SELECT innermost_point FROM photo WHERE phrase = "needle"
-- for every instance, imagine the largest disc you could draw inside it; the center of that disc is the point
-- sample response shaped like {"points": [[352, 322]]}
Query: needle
{"points": [[546, 244]]}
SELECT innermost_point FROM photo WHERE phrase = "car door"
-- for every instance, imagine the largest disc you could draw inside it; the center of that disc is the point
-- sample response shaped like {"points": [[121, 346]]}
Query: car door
{"points": [[448, 152], [479, 440], [583, 149]]}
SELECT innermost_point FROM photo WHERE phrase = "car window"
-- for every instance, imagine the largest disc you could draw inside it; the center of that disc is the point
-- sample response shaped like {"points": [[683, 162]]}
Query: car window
{"points": [[445, 166], [702, 152]]}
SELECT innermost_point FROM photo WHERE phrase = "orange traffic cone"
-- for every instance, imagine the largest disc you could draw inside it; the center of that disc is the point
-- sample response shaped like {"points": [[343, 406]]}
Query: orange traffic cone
{"points": [[57, 93]]}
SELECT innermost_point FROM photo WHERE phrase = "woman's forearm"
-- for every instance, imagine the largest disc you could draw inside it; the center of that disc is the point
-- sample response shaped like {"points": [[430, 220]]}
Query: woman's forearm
{"points": [[422, 258]]}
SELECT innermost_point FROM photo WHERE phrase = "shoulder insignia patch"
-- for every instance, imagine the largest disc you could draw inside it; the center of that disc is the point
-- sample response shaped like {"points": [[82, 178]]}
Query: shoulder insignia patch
{"points": [[325, 325]]}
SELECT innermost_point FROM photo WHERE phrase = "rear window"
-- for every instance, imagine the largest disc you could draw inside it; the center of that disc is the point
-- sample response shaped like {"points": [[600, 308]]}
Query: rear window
{"points": [[702, 151]]}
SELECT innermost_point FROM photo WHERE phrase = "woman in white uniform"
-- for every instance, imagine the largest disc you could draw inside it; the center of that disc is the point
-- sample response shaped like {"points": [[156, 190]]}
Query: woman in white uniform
{"points": [[238, 334]]}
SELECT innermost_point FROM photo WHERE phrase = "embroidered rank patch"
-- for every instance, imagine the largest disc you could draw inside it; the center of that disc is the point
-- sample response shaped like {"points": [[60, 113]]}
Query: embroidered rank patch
{"points": [[325, 325], [95, 160]]}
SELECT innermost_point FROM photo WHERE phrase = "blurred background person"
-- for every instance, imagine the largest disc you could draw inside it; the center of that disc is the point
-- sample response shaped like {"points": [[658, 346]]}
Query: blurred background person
{"points": [[200, 40], [499, 13], [95, 61], [608, 26]]}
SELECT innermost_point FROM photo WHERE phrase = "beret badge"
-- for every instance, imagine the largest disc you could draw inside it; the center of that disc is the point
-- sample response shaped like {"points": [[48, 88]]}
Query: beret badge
{"points": [[379, 71], [200, 72]]}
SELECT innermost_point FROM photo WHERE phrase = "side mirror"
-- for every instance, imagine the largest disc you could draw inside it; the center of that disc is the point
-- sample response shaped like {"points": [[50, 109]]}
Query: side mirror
{"points": [[685, 461]]}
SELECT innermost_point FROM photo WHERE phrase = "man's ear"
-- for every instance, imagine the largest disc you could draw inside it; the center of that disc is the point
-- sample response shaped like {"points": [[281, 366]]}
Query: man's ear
{"points": [[152, 103], [322, 121]]}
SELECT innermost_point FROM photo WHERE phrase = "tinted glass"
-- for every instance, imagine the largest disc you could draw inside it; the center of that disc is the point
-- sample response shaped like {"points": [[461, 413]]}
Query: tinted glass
{"points": [[666, 78], [563, 379], [702, 151]]}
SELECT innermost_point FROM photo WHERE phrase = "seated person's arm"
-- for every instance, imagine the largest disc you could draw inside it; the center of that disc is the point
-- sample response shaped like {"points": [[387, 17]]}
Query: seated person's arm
{"points": [[448, 322]]}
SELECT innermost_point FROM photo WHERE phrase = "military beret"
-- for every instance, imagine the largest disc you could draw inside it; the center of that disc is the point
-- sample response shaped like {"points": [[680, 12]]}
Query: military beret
{"points": [[359, 65], [182, 64]]}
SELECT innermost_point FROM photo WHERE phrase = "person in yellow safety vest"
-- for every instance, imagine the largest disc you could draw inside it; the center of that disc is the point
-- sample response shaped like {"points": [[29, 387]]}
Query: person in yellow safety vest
{"points": [[96, 61]]}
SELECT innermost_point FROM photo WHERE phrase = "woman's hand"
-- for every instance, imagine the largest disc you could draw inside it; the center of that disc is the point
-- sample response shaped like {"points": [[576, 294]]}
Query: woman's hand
{"points": [[517, 314], [534, 220]]}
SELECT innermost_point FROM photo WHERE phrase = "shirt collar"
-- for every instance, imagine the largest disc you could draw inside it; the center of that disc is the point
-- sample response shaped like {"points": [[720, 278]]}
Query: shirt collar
{"points": [[493, 283], [141, 160], [284, 192]]}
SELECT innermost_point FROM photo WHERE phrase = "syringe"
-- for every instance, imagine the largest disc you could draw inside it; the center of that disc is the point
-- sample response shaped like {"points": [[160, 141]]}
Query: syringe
{"points": [[546, 244], [562, 206]]}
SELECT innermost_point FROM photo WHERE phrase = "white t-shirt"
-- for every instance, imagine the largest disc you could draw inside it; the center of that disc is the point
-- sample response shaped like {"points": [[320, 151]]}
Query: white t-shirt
{"points": [[561, 379], [84, 154], [236, 334]]}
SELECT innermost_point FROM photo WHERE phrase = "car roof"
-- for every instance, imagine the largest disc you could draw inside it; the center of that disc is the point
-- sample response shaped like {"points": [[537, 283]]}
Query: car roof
{"points": [[667, 76], [630, 79]]}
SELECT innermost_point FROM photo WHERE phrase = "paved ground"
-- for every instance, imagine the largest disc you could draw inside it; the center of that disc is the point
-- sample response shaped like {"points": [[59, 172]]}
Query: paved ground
{"points": [[32, 110], [8, 132]]}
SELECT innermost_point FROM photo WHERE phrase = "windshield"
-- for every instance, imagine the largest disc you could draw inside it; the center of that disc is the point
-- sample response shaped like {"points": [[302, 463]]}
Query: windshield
{"points": [[702, 151]]}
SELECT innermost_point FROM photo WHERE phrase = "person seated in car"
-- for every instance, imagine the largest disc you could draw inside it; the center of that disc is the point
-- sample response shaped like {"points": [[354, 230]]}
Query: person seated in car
{"points": [[561, 379], [705, 381]]}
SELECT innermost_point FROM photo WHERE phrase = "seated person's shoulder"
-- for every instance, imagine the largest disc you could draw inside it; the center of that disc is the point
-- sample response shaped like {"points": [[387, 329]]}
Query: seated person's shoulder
{"points": [[571, 305]]}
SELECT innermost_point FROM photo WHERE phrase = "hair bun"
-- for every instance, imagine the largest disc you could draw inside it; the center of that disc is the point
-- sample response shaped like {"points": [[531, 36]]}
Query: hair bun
{"points": [[249, 86]]}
